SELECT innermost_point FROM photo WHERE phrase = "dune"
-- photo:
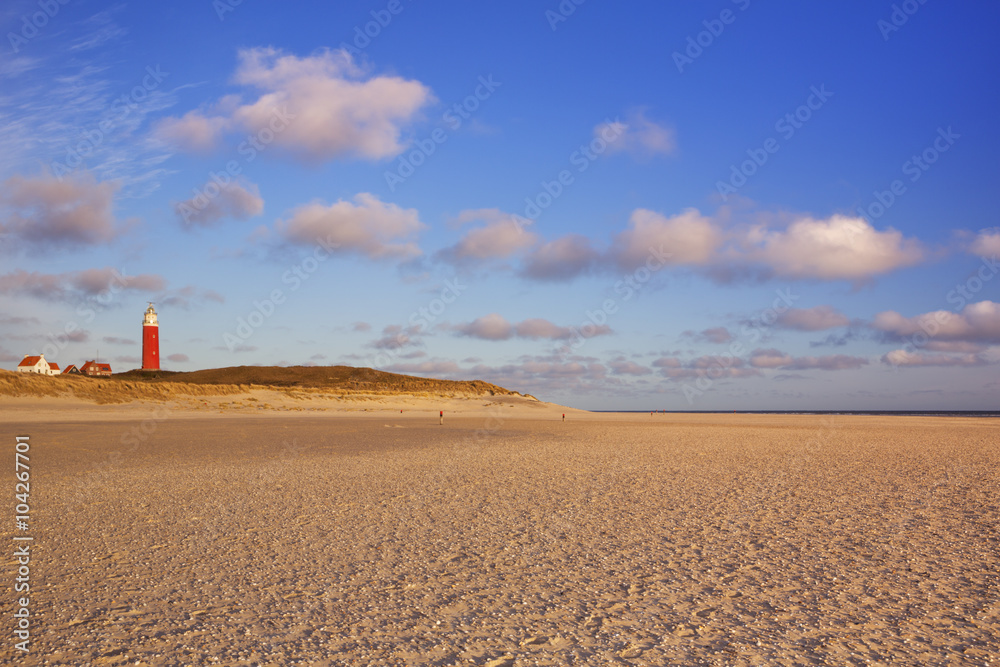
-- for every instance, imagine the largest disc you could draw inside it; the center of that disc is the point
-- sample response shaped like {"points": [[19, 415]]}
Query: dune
{"points": [[161, 385], [255, 390]]}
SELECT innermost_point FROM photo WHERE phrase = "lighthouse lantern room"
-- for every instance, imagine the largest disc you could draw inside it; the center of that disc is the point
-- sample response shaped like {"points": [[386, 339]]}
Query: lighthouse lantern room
{"points": [[150, 341]]}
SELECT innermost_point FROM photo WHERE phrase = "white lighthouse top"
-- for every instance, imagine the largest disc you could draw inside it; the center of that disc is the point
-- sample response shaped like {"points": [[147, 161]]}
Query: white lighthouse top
{"points": [[150, 318]]}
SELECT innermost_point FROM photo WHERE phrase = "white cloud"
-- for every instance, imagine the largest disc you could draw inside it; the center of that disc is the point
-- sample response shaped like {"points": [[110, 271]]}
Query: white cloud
{"points": [[47, 212], [637, 135], [830, 362], [771, 358], [189, 296], [562, 259], [193, 132], [317, 108], [977, 322], [488, 327], [396, 337], [838, 248], [987, 243], [368, 226], [495, 327], [543, 375], [817, 318], [541, 328], [486, 215], [95, 281], [904, 358], [235, 200], [621, 366], [77, 285], [689, 237], [716, 335], [502, 236], [711, 366], [954, 346]]}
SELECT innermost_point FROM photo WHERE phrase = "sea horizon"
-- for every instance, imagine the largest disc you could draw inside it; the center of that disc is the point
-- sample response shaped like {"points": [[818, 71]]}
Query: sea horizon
{"points": [[899, 413]]}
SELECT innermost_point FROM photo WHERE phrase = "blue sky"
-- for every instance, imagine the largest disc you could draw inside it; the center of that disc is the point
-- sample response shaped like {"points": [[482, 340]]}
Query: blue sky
{"points": [[725, 205]]}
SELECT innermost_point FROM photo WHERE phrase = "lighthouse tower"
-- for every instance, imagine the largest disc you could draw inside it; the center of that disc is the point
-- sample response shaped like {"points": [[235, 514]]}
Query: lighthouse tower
{"points": [[150, 341]]}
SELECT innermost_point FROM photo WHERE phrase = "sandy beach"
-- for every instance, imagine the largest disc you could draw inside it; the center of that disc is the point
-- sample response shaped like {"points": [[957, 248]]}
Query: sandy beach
{"points": [[233, 535]]}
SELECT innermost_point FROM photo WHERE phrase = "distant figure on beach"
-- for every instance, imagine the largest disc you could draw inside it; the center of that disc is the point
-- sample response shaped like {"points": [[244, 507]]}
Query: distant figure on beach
{"points": [[441, 418], [564, 416]]}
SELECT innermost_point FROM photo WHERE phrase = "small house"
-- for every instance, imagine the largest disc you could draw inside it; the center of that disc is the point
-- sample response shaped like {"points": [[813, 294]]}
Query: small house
{"points": [[95, 369], [34, 364], [71, 370]]}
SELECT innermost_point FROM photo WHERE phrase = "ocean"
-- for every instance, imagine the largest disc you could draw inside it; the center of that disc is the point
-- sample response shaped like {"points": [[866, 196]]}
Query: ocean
{"points": [[899, 413]]}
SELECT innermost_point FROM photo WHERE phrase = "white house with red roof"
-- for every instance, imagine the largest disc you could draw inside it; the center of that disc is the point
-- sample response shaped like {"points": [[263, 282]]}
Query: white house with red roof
{"points": [[36, 364]]}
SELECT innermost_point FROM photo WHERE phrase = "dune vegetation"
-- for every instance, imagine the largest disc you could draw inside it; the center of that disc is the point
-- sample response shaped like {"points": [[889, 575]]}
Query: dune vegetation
{"points": [[295, 381]]}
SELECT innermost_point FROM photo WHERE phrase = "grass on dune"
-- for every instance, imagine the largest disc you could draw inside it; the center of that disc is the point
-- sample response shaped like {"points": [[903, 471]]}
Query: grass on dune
{"points": [[296, 381]]}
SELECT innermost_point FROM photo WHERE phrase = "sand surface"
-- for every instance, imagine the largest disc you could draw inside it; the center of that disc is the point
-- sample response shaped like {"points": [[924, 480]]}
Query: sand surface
{"points": [[506, 537]]}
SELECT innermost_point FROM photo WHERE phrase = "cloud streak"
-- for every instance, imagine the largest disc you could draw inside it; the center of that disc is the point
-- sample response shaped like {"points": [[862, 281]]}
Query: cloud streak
{"points": [[898, 358], [710, 366], [638, 136], [495, 327], [818, 318], [774, 359], [75, 285]]}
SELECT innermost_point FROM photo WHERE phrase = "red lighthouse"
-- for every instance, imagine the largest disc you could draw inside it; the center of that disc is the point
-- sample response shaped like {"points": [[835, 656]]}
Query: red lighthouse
{"points": [[150, 341]]}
